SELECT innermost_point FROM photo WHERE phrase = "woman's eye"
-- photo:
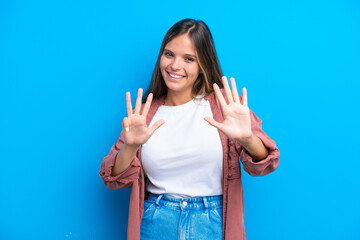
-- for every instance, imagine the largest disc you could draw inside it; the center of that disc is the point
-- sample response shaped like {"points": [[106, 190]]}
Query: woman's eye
{"points": [[189, 59], [168, 54]]}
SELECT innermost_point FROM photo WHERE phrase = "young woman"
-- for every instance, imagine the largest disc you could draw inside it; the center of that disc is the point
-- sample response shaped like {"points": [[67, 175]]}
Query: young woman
{"points": [[179, 150]]}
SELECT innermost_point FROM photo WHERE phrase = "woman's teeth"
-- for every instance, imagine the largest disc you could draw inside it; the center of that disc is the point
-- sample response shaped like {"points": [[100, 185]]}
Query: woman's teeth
{"points": [[175, 76]]}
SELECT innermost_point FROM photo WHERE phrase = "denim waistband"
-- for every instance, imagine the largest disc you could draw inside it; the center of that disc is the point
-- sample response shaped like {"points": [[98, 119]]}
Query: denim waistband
{"points": [[188, 202]]}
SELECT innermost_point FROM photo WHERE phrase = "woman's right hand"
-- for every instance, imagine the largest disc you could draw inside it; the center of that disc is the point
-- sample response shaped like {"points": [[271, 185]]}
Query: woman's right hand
{"points": [[135, 129]]}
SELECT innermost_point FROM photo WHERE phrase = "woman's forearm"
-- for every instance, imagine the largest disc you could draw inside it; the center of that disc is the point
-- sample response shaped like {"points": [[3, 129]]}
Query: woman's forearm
{"points": [[123, 159], [255, 147]]}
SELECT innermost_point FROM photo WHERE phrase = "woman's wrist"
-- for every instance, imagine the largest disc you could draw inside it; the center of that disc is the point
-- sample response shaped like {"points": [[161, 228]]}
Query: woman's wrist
{"points": [[247, 140], [131, 147], [255, 147]]}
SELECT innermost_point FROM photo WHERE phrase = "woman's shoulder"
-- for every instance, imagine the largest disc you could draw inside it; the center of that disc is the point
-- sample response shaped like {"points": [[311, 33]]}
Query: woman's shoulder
{"points": [[158, 101], [155, 104]]}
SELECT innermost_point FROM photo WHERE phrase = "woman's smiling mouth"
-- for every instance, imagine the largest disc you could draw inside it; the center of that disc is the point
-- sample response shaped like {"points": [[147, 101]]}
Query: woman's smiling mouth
{"points": [[175, 76]]}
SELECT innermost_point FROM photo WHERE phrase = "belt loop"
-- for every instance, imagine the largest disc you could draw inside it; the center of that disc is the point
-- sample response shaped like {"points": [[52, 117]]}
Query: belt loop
{"points": [[158, 199], [205, 202]]}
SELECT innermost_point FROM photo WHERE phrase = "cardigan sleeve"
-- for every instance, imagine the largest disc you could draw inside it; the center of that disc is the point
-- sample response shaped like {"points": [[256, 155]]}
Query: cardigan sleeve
{"points": [[267, 165], [126, 178]]}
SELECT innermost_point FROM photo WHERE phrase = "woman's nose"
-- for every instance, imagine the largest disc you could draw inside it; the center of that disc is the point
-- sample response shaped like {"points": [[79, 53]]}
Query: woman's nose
{"points": [[175, 65]]}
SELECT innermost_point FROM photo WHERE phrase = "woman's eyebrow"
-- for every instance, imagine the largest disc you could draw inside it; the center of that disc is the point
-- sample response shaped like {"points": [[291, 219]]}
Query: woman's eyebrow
{"points": [[186, 54], [190, 55]]}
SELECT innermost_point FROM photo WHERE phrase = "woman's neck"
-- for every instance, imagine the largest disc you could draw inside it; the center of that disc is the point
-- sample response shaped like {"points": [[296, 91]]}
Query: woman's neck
{"points": [[174, 99]]}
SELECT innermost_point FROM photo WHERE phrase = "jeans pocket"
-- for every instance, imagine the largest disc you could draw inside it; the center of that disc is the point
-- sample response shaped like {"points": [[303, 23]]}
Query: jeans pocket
{"points": [[148, 205], [218, 213]]}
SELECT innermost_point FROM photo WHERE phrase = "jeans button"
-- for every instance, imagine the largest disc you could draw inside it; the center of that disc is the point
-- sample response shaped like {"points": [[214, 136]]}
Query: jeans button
{"points": [[184, 204]]}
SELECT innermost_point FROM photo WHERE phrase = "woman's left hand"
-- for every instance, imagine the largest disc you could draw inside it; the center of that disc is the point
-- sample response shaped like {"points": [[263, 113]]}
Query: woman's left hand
{"points": [[237, 121]]}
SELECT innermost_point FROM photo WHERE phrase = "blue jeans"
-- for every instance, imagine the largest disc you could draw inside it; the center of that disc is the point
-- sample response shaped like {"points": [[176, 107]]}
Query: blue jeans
{"points": [[182, 219]]}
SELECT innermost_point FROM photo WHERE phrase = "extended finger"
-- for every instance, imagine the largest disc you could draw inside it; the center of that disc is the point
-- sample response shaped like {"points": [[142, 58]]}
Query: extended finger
{"points": [[219, 95], [213, 122], [227, 89], [138, 101], [234, 90], [147, 104], [156, 126], [128, 104], [244, 92]]}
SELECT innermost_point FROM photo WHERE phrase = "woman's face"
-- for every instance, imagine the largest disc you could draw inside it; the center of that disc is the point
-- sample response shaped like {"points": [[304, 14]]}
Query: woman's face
{"points": [[179, 66]]}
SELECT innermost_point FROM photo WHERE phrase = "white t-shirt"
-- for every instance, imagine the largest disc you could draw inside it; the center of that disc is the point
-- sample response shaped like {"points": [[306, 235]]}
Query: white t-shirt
{"points": [[184, 157]]}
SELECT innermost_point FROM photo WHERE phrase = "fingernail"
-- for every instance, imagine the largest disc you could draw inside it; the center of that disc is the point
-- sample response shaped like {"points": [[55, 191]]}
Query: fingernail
{"points": [[127, 129]]}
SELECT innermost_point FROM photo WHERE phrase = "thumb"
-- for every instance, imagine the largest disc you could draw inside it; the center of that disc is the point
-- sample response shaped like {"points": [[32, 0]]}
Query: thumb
{"points": [[125, 124], [156, 126], [213, 122]]}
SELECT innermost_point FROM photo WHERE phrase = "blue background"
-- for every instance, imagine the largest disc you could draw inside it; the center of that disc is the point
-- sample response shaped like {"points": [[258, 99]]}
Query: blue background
{"points": [[65, 67]]}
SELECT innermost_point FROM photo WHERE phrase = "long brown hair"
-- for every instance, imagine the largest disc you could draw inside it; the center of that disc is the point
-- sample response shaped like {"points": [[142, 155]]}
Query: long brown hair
{"points": [[208, 61]]}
